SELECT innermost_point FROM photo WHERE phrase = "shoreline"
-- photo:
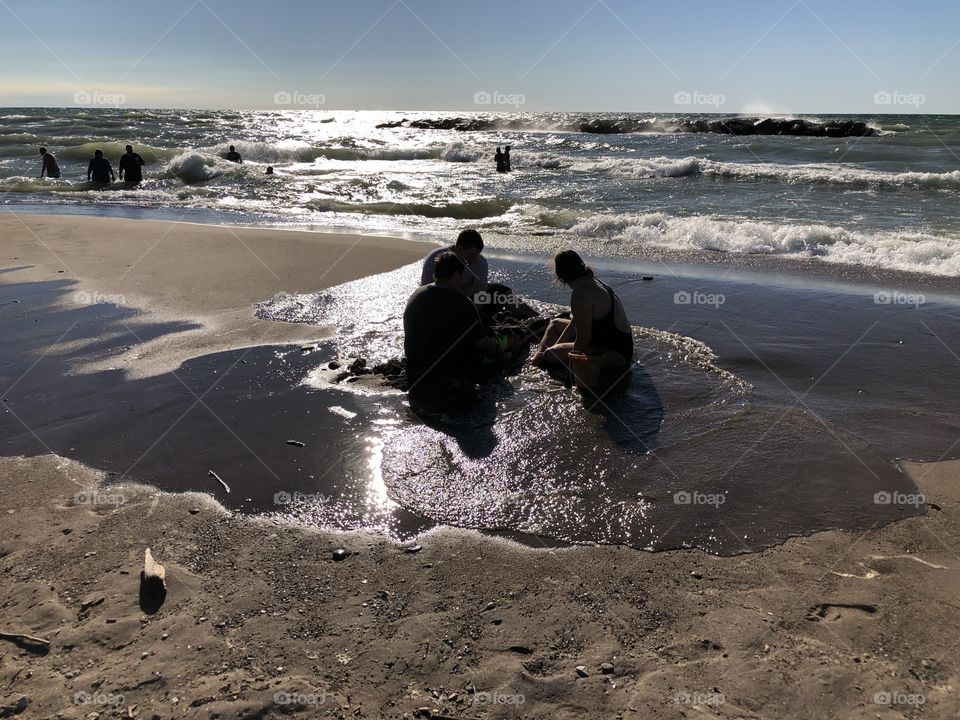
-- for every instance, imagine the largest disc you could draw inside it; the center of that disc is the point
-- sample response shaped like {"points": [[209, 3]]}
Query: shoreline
{"points": [[751, 268]]}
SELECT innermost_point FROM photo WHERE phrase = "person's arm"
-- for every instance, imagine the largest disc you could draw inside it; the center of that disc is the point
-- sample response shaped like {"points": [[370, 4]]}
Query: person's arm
{"points": [[139, 159], [89, 170], [482, 271], [426, 275], [43, 167], [120, 168], [580, 308]]}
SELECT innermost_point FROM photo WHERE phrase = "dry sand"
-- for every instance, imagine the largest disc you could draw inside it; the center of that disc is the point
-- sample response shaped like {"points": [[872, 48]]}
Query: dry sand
{"points": [[260, 621], [208, 275]]}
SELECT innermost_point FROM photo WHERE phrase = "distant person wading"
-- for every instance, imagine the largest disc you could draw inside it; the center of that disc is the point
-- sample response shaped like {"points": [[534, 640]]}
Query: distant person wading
{"points": [[130, 166], [100, 170], [234, 156], [49, 164]]}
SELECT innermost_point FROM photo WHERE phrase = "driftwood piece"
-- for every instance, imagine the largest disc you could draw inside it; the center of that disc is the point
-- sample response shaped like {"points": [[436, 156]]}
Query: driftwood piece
{"points": [[219, 480], [153, 584], [19, 638]]}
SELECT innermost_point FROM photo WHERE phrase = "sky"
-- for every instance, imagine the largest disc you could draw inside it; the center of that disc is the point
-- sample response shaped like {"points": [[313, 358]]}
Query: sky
{"points": [[751, 56]]}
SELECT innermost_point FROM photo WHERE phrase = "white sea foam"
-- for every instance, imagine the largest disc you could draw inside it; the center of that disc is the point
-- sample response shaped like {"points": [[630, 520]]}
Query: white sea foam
{"points": [[837, 173], [913, 252]]}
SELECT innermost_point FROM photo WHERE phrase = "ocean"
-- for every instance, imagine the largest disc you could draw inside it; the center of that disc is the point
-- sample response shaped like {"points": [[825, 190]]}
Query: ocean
{"points": [[885, 201]]}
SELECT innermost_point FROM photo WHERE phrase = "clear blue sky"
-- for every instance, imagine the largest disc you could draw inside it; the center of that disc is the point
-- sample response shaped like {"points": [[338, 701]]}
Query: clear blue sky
{"points": [[628, 55]]}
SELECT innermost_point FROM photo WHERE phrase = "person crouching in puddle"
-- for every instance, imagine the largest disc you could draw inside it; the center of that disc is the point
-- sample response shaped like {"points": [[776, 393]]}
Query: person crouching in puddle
{"points": [[598, 326]]}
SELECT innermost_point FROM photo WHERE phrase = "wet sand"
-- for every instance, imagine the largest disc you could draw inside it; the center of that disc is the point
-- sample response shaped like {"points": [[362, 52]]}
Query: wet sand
{"points": [[839, 624]]}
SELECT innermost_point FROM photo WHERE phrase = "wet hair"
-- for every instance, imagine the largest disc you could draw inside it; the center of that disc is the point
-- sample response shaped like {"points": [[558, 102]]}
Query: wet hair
{"points": [[470, 239], [570, 266], [43, 150], [447, 265], [231, 148], [98, 153]]}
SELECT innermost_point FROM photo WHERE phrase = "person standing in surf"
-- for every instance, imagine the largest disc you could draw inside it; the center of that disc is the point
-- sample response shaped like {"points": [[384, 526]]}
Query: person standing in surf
{"points": [[234, 156], [500, 159], [506, 159], [130, 166], [599, 324], [49, 164], [100, 170]]}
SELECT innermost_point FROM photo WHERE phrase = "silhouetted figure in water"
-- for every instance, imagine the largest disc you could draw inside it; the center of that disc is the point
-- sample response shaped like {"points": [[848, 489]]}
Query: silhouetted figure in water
{"points": [[234, 156], [501, 160], [49, 164], [130, 166], [100, 170], [506, 159], [269, 169]]}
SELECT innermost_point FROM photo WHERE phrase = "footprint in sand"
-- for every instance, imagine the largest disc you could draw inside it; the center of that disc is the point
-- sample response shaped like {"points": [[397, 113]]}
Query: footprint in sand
{"points": [[841, 611]]}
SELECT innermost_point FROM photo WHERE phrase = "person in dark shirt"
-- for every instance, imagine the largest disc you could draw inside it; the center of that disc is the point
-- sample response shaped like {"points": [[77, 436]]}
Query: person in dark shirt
{"points": [[130, 166], [500, 159], [100, 170], [234, 156], [506, 159], [443, 335]]}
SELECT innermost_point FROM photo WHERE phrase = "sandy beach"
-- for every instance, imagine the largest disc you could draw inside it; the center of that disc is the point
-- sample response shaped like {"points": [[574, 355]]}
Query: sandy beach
{"points": [[261, 620]]}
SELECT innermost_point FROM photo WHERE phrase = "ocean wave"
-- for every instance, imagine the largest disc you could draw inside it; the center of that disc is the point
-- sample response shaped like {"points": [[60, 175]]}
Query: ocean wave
{"points": [[194, 167], [113, 151], [835, 174], [264, 152], [467, 210], [911, 252]]}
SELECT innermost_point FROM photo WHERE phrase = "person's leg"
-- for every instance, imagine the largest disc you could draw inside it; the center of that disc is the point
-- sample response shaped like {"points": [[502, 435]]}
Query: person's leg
{"points": [[551, 335], [557, 355]]}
